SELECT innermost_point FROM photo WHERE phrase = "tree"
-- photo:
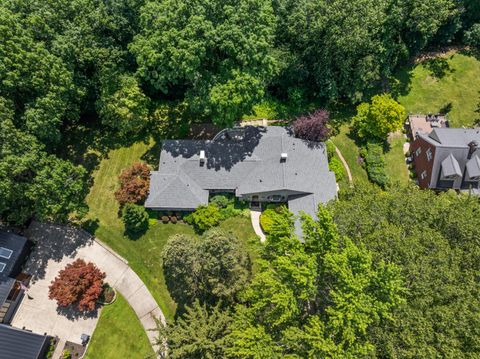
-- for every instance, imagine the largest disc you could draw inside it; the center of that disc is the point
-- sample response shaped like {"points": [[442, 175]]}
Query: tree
{"points": [[135, 218], [214, 54], [213, 269], [79, 284], [134, 184], [378, 119], [35, 184], [204, 217], [433, 239], [124, 108], [472, 36], [313, 127], [199, 333]]}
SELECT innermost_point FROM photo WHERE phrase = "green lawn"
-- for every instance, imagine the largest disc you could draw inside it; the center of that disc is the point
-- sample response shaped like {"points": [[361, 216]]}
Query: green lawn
{"points": [[143, 254], [422, 92], [350, 152], [119, 334], [395, 160]]}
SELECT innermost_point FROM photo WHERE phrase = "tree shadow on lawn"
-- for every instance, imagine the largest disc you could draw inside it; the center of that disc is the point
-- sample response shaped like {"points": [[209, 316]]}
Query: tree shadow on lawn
{"points": [[438, 67], [52, 242]]}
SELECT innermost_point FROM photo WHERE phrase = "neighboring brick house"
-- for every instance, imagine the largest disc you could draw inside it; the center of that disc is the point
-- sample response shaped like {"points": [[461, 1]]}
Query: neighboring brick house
{"points": [[447, 158]]}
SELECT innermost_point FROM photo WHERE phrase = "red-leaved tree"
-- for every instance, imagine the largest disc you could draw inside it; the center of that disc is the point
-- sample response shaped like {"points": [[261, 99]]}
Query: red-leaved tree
{"points": [[313, 126], [79, 284], [134, 182]]}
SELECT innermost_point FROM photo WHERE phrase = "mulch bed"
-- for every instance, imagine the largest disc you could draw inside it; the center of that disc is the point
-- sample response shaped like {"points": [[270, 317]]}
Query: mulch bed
{"points": [[76, 350]]}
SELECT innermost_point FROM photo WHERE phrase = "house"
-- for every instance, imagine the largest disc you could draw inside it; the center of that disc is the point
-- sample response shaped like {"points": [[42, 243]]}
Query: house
{"points": [[22, 344], [13, 251], [257, 164], [447, 158]]}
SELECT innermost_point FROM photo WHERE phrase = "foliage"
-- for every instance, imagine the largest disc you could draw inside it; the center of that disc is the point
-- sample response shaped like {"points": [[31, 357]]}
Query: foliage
{"points": [[174, 51], [272, 216], [222, 200], [198, 333], [134, 184], [434, 240], [204, 217], [126, 108], [378, 119], [211, 269], [472, 36], [79, 284], [330, 146], [135, 218], [375, 164], [66, 354], [336, 167], [314, 300], [313, 127], [35, 184]]}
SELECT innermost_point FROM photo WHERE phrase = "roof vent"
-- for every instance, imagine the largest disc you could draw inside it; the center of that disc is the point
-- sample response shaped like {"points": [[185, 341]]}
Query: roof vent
{"points": [[283, 157], [202, 157]]}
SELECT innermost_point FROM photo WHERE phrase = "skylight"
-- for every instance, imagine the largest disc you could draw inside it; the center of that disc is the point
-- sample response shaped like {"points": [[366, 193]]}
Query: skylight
{"points": [[5, 253], [2, 266]]}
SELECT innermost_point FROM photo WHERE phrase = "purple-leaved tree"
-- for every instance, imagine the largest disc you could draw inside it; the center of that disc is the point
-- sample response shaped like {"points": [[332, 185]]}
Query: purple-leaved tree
{"points": [[313, 126]]}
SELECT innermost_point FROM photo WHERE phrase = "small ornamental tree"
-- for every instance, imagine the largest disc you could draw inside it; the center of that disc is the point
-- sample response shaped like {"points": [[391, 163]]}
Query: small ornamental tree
{"points": [[378, 119], [313, 127], [135, 218], [79, 284], [134, 182]]}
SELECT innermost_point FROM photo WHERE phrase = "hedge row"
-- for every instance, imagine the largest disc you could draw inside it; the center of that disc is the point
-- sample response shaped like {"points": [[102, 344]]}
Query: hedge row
{"points": [[375, 164]]}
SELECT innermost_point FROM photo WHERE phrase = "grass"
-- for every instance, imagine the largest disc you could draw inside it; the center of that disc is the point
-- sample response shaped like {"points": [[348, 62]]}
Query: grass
{"points": [[350, 152], [144, 253], [119, 334], [420, 91], [396, 168]]}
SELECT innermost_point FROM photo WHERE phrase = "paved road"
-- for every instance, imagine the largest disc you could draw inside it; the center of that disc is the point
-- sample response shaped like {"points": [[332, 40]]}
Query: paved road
{"points": [[58, 245]]}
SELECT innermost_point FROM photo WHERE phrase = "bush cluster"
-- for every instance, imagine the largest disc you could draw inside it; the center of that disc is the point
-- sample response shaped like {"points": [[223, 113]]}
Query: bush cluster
{"points": [[204, 217], [271, 216], [330, 149], [336, 167], [375, 164]]}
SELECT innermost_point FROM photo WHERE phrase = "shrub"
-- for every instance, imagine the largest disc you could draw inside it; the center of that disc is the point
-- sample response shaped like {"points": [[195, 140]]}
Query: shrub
{"points": [[134, 183], [204, 217], [108, 294], [313, 127], [165, 219], [266, 219], [222, 200], [330, 149], [66, 354], [273, 216], [472, 36], [336, 167], [79, 284], [135, 218], [375, 164]]}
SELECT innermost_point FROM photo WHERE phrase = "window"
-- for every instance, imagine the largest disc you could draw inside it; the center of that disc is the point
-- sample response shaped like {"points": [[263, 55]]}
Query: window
{"points": [[418, 151], [5, 253], [2, 266], [423, 175], [429, 154]]}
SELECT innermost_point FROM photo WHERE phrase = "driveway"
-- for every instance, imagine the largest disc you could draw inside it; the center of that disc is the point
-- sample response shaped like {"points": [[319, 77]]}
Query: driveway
{"points": [[58, 245]]}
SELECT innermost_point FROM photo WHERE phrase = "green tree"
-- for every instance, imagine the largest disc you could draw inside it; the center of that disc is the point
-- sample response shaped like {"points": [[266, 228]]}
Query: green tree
{"points": [[126, 108], [204, 217], [135, 218], [213, 269], [199, 333], [377, 119], [215, 54]]}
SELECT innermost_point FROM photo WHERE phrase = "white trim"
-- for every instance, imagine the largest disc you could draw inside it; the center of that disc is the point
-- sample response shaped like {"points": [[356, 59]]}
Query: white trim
{"points": [[423, 175], [5, 253], [418, 151], [2, 266], [429, 154]]}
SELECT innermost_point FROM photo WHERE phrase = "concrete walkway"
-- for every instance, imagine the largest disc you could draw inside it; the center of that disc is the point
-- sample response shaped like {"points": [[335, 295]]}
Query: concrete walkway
{"points": [[58, 245], [345, 164], [255, 217]]}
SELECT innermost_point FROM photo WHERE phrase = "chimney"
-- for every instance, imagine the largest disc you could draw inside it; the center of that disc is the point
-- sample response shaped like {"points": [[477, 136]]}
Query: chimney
{"points": [[202, 157], [283, 157], [472, 146]]}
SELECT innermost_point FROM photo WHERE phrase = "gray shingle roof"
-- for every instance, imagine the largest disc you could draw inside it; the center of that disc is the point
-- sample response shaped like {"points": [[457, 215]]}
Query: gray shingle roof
{"points": [[473, 166], [6, 285], [249, 166], [14, 243], [450, 167], [455, 137], [20, 344]]}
